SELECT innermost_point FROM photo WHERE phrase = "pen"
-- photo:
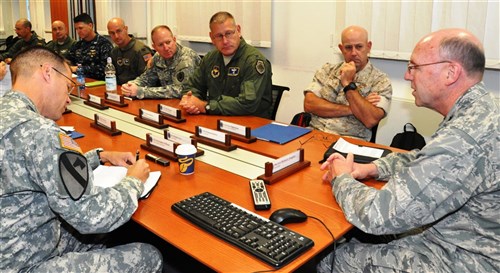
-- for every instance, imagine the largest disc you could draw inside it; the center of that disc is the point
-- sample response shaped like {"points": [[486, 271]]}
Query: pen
{"points": [[137, 155]]}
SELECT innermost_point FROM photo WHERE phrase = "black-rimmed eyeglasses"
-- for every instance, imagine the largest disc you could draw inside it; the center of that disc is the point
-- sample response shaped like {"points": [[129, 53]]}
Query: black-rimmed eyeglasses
{"points": [[70, 88], [227, 35], [414, 66]]}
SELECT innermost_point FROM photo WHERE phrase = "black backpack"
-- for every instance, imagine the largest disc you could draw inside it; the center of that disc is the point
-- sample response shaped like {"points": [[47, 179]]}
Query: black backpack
{"points": [[301, 119], [408, 140]]}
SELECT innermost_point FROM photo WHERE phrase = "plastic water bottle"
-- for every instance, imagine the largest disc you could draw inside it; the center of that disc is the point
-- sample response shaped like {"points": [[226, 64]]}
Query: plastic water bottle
{"points": [[110, 72], [80, 78]]}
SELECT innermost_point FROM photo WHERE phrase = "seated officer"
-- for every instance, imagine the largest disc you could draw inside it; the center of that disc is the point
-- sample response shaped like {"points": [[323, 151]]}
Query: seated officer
{"points": [[234, 79], [53, 217], [351, 97], [171, 67], [62, 42], [130, 56], [27, 37]]}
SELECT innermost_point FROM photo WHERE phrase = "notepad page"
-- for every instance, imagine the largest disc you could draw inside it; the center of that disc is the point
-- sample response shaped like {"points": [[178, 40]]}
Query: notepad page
{"points": [[108, 176]]}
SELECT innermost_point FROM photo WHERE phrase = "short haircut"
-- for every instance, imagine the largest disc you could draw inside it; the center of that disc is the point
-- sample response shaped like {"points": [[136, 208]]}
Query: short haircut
{"points": [[26, 23], [221, 17], [29, 59], [83, 17], [469, 54], [155, 29]]}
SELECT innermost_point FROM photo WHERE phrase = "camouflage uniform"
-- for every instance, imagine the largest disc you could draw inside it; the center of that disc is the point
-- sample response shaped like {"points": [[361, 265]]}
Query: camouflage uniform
{"points": [[62, 49], [242, 87], [326, 84], [130, 62], [452, 184], [165, 78], [47, 186], [21, 44], [92, 55]]}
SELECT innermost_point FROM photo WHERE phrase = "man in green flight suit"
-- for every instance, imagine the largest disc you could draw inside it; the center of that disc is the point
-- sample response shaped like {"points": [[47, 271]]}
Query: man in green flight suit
{"points": [[234, 79], [27, 37]]}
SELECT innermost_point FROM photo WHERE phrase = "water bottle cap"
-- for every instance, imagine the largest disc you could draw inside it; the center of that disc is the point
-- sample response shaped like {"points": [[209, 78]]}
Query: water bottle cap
{"points": [[109, 60]]}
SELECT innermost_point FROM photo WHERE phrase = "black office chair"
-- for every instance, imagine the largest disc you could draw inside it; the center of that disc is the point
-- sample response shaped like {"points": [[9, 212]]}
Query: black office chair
{"points": [[374, 133], [277, 92]]}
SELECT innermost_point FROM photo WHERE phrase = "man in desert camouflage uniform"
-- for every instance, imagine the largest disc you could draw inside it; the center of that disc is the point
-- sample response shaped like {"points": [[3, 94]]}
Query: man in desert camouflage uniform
{"points": [[172, 66], [233, 79], [451, 186], [27, 37], [53, 218], [129, 56], [92, 51], [351, 97]]}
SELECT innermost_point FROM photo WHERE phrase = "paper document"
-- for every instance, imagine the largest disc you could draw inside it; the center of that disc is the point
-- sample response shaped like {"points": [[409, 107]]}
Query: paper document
{"points": [[108, 176], [346, 147]]}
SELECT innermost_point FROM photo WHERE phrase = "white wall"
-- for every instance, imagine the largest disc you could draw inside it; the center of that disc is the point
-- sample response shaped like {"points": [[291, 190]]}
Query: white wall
{"points": [[303, 39]]}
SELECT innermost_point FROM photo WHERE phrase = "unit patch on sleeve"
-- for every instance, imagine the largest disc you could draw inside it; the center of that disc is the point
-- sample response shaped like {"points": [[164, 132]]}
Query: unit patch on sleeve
{"points": [[260, 67], [73, 169]]}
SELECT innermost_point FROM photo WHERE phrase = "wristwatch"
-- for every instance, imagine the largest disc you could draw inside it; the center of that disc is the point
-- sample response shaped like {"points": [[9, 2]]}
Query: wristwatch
{"points": [[350, 86], [98, 151]]}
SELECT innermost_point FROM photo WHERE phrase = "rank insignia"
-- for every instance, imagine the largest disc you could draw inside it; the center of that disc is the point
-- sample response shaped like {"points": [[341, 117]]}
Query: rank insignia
{"points": [[215, 72], [233, 71], [260, 67]]}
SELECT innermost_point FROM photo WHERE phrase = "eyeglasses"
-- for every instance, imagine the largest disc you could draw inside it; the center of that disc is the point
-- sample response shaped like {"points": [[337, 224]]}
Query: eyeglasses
{"points": [[414, 66], [70, 88], [228, 35]]}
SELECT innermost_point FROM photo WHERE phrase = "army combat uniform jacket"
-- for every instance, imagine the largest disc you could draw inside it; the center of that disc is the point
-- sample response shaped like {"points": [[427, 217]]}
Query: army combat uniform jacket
{"points": [[46, 182], [130, 62], [165, 78], [22, 44], [92, 55], [242, 87], [452, 184], [62, 49], [326, 85]]}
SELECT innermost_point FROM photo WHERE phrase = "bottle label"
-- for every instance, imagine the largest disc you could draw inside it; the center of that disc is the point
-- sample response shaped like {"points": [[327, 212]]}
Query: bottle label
{"points": [[111, 84]]}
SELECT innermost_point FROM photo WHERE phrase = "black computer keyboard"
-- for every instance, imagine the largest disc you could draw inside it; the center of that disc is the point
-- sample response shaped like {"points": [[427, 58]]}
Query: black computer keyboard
{"points": [[268, 241]]}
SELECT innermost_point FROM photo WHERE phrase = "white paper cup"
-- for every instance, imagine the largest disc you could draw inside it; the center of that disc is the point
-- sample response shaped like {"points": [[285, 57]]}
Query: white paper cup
{"points": [[185, 156]]}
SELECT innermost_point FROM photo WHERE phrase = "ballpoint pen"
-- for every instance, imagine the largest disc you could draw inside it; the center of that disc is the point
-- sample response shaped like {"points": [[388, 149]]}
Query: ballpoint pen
{"points": [[137, 155]]}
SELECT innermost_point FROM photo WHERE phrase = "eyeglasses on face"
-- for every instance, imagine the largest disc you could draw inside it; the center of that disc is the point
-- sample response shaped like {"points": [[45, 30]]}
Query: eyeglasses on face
{"points": [[414, 66], [70, 88], [227, 35]]}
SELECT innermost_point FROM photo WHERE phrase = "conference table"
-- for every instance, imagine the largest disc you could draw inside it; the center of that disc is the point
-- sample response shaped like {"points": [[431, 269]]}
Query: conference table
{"points": [[223, 173]]}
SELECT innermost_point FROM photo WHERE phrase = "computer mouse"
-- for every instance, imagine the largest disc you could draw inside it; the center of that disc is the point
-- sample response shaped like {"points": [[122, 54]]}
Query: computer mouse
{"points": [[287, 215]]}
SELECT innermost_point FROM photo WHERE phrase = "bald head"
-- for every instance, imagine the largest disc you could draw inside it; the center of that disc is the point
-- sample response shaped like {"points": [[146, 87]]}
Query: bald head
{"points": [[355, 46], [355, 31], [458, 45], [59, 31], [118, 32]]}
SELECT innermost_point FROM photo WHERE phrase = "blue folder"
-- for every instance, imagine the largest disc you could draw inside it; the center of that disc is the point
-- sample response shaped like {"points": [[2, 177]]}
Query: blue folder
{"points": [[279, 133]]}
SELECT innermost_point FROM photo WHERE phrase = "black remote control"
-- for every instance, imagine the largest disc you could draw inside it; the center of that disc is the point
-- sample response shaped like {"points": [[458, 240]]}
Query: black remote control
{"points": [[259, 194]]}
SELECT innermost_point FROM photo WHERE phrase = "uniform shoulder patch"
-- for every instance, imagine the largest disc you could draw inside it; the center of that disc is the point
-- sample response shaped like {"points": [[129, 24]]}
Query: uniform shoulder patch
{"points": [[68, 143], [74, 172], [180, 76], [260, 67]]}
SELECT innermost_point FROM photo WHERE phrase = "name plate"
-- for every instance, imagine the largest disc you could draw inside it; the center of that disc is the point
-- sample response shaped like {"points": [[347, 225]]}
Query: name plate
{"points": [[95, 99], [212, 134], [103, 121], [286, 161], [161, 143], [167, 110], [149, 115], [232, 127], [113, 97], [177, 138]]}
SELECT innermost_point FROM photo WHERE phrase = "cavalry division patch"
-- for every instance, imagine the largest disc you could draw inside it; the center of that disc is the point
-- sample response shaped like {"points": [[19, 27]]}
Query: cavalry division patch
{"points": [[73, 169]]}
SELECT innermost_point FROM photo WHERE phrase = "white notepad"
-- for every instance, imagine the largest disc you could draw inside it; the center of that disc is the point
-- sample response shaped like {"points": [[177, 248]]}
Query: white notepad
{"points": [[108, 176]]}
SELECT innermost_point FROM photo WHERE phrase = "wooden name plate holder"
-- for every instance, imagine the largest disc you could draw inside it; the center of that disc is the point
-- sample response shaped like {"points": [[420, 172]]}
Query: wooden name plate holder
{"points": [[213, 138], [284, 167], [161, 146], [105, 125], [238, 132], [170, 113], [67, 111], [151, 118], [180, 139], [95, 102], [115, 99]]}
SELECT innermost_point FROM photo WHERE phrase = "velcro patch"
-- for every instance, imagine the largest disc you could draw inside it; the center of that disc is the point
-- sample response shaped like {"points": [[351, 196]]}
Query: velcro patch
{"points": [[68, 143], [73, 169], [260, 67], [233, 71]]}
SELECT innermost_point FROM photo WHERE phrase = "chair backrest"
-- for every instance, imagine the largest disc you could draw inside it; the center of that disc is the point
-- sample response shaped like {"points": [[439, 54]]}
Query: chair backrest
{"points": [[374, 133], [277, 92]]}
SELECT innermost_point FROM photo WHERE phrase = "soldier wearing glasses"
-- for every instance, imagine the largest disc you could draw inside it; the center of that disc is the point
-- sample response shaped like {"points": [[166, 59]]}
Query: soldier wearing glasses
{"points": [[53, 218], [234, 79]]}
